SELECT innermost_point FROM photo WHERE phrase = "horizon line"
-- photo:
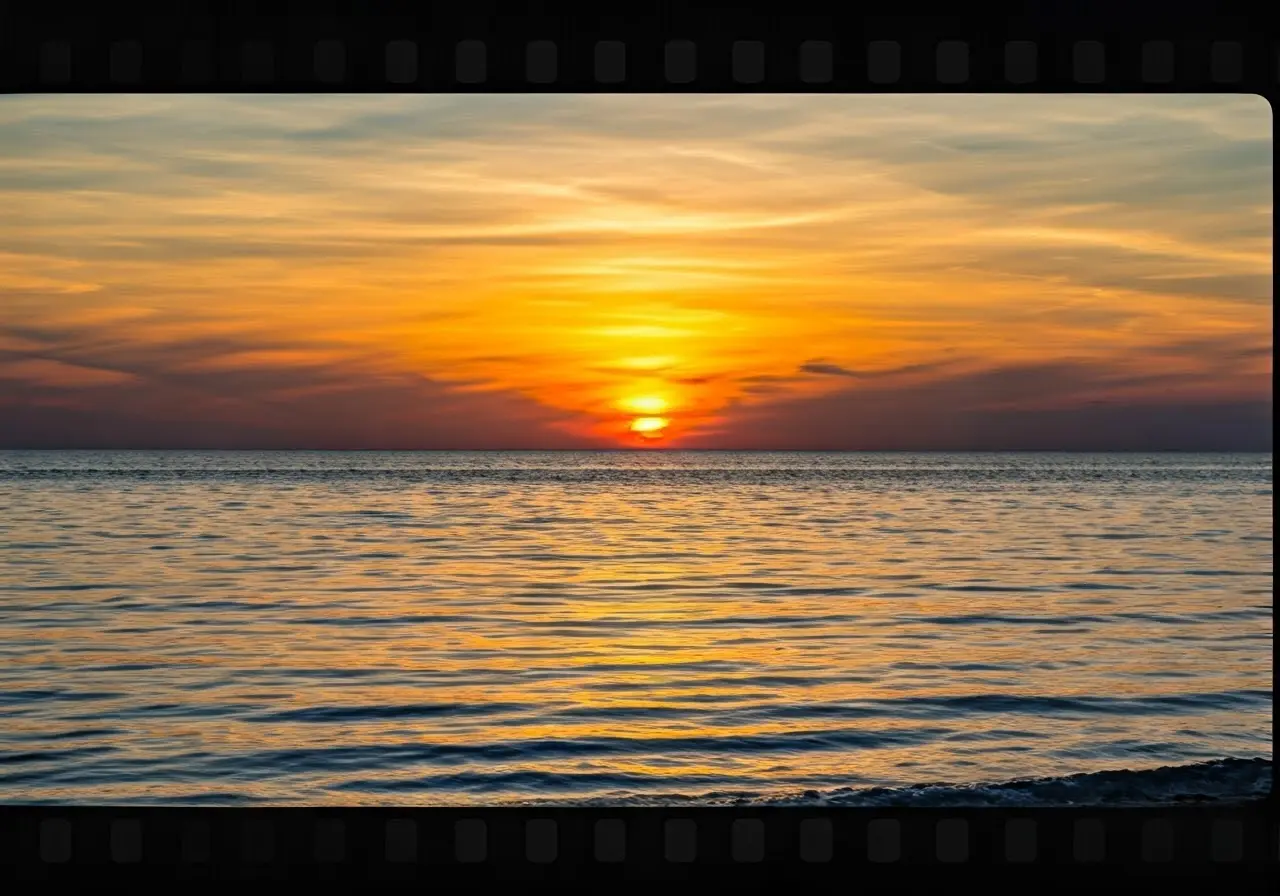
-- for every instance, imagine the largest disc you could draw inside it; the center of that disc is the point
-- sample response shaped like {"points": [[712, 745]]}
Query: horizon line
{"points": [[683, 450]]}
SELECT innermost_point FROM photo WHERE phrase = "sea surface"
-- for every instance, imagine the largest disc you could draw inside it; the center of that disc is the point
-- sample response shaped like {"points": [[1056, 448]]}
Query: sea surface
{"points": [[634, 627]]}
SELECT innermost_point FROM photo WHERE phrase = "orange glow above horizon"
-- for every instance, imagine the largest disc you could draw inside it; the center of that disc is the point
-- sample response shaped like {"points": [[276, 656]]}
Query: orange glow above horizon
{"points": [[646, 404]]}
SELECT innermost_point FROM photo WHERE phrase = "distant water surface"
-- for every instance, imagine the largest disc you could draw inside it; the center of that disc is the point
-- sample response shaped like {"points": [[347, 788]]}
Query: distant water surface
{"points": [[632, 627]]}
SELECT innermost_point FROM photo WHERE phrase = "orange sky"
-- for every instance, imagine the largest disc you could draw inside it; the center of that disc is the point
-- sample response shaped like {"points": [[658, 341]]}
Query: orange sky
{"points": [[765, 271]]}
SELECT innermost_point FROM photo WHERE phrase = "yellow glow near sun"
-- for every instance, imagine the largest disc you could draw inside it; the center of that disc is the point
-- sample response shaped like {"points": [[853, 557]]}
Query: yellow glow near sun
{"points": [[646, 404], [648, 362], [649, 425]]}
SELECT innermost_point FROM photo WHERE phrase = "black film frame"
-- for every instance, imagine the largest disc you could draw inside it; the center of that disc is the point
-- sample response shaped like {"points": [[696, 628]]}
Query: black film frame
{"points": [[1162, 48]]}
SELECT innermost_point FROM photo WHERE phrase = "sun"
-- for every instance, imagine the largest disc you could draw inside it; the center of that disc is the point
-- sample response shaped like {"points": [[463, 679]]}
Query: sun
{"points": [[650, 427]]}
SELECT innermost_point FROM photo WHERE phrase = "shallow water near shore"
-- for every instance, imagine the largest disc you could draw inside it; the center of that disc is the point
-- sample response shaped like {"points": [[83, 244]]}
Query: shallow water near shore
{"points": [[372, 628]]}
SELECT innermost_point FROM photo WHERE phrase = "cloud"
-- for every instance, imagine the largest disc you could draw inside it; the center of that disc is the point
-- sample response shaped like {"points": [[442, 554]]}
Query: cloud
{"points": [[819, 367], [1060, 406], [235, 392], [40, 370], [317, 407], [825, 369], [767, 378]]}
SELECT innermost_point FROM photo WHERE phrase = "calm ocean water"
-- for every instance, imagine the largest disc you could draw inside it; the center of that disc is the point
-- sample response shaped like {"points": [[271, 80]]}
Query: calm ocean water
{"points": [[631, 627]]}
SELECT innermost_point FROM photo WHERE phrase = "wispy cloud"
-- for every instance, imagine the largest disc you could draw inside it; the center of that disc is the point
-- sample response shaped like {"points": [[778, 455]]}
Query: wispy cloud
{"points": [[825, 369], [1050, 406]]}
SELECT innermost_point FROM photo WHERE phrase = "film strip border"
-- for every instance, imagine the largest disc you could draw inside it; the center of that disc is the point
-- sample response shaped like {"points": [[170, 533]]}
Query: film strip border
{"points": [[535, 843], [913, 56], [910, 55]]}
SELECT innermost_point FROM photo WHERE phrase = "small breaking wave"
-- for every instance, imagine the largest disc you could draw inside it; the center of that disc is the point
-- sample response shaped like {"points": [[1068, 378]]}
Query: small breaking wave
{"points": [[1217, 781]]}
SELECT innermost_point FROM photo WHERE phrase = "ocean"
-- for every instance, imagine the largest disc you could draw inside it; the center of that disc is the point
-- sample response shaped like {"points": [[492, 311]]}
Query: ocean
{"points": [[647, 627]]}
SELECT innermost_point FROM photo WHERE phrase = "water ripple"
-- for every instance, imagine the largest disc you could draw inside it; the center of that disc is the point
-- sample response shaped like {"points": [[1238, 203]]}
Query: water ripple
{"points": [[712, 628]]}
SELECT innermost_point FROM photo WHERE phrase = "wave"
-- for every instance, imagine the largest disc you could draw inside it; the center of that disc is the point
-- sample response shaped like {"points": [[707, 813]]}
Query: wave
{"points": [[1221, 782], [1217, 781]]}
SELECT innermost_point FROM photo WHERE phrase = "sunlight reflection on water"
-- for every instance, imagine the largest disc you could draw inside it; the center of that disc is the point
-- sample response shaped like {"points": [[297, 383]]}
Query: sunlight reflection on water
{"points": [[450, 627]]}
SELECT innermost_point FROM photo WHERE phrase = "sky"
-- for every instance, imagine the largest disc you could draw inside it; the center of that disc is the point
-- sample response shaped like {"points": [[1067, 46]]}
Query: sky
{"points": [[826, 272]]}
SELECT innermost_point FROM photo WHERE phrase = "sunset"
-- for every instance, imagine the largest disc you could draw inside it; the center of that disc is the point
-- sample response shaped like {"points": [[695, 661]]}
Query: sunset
{"points": [[731, 272], [636, 450]]}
